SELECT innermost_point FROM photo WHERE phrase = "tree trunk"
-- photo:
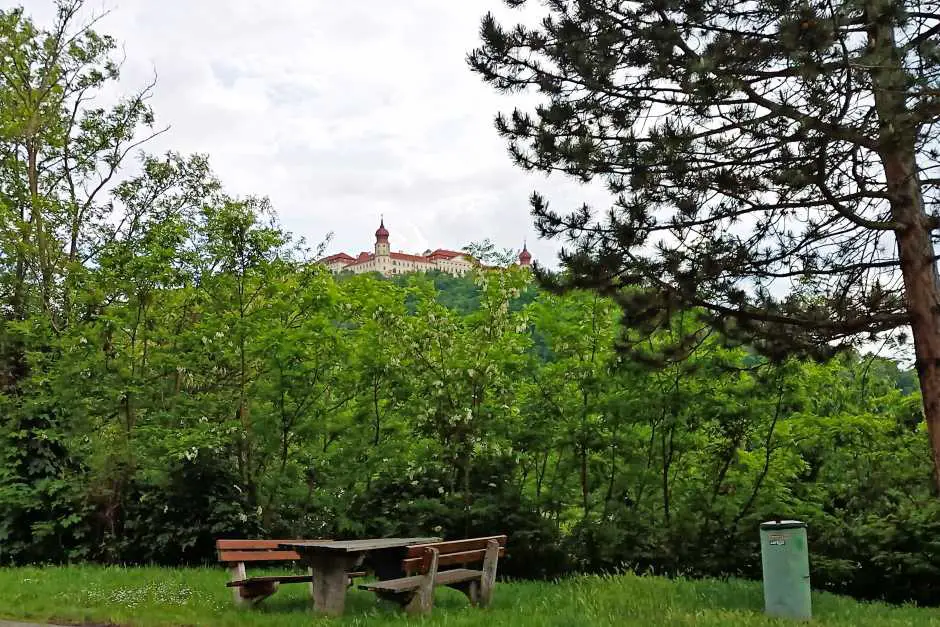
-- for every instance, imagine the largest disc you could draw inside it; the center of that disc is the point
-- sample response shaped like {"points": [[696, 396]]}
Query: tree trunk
{"points": [[921, 287], [36, 218], [377, 427], [583, 472], [897, 141]]}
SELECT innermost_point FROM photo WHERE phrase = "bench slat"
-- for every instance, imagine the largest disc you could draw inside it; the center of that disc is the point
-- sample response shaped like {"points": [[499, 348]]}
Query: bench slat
{"points": [[416, 564], [404, 584], [249, 545], [282, 579], [393, 585], [454, 546], [257, 556], [278, 578]]}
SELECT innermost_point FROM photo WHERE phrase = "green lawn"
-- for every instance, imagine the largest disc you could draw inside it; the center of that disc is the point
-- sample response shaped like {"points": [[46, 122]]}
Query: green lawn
{"points": [[157, 596]]}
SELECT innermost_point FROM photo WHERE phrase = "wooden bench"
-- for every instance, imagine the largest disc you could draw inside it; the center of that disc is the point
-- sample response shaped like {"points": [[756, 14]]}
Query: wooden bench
{"points": [[253, 590], [443, 564]]}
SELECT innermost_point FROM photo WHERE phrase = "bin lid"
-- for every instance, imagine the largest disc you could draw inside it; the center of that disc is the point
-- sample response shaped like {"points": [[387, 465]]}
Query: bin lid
{"points": [[783, 524]]}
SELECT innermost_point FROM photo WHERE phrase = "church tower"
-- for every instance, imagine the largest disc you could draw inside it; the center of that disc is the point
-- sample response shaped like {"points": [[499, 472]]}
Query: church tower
{"points": [[525, 257], [381, 241]]}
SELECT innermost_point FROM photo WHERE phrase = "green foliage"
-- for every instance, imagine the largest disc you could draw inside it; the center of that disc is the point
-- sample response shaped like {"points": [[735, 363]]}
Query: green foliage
{"points": [[722, 132], [187, 375], [769, 166], [487, 253]]}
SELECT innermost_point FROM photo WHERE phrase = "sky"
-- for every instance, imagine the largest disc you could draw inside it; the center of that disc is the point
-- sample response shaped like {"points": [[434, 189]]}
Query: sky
{"points": [[339, 112]]}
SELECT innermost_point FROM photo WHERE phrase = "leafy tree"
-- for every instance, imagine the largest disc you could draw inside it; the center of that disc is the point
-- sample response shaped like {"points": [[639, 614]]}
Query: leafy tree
{"points": [[573, 390], [487, 252], [773, 164], [464, 367], [59, 151]]}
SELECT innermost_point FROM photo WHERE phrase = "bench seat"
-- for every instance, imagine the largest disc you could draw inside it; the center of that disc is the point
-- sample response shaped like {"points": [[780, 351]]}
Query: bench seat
{"points": [[281, 579], [405, 584], [278, 578]]}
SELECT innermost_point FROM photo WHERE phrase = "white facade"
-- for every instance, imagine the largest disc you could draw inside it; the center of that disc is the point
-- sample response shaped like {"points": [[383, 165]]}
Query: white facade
{"points": [[388, 263]]}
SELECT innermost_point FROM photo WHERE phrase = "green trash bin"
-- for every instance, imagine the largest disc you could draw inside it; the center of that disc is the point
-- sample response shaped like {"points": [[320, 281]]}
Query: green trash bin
{"points": [[785, 561]]}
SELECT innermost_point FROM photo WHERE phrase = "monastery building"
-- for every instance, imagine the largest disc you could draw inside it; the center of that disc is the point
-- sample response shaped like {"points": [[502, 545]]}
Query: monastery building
{"points": [[389, 263]]}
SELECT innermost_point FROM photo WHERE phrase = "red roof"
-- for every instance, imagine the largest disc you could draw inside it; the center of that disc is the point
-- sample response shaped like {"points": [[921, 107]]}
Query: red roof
{"points": [[362, 258], [407, 257], [443, 253], [382, 233], [336, 257], [525, 256]]}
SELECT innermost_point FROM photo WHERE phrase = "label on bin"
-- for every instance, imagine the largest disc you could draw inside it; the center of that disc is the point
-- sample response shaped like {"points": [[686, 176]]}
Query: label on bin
{"points": [[777, 539]]}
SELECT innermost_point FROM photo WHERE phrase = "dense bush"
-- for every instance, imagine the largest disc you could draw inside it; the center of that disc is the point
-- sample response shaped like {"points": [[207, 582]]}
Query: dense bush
{"points": [[178, 520]]}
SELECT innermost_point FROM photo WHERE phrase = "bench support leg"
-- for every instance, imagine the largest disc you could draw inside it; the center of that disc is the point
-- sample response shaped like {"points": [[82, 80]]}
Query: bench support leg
{"points": [[488, 580], [423, 600], [255, 593], [237, 573], [249, 594]]}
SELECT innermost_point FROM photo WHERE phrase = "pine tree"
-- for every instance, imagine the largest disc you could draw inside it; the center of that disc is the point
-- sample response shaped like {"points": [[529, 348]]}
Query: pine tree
{"points": [[774, 164]]}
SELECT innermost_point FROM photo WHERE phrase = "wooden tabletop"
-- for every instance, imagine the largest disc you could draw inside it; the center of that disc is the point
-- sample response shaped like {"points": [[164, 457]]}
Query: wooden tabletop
{"points": [[355, 546]]}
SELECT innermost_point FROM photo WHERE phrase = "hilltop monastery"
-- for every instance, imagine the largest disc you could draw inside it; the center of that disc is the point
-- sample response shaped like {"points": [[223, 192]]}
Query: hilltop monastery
{"points": [[389, 263]]}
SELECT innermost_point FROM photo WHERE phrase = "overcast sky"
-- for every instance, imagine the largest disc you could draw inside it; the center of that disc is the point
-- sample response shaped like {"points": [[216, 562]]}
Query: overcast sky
{"points": [[339, 111]]}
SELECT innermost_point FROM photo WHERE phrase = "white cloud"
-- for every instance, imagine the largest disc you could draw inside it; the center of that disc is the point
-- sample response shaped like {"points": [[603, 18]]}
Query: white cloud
{"points": [[339, 112]]}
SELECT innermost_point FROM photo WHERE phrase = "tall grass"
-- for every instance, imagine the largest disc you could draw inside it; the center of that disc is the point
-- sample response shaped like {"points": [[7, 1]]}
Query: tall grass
{"points": [[160, 596]]}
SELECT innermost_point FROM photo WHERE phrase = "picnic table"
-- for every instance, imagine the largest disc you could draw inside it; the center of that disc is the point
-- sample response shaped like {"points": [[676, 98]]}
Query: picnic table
{"points": [[331, 561]]}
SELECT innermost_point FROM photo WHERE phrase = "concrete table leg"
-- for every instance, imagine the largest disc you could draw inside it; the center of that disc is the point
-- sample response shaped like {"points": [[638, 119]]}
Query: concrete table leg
{"points": [[330, 580]]}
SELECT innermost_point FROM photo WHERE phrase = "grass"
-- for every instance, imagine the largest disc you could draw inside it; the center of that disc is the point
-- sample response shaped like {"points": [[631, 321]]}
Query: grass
{"points": [[168, 597]]}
